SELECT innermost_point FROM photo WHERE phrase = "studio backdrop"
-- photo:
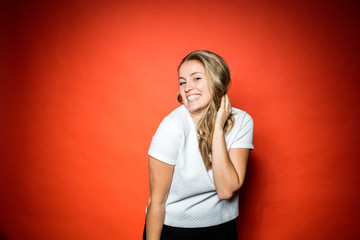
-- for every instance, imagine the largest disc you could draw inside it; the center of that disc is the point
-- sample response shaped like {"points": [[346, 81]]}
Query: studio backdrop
{"points": [[84, 85]]}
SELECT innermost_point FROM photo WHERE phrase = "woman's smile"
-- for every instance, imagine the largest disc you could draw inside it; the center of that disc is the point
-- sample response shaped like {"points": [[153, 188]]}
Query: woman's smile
{"points": [[193, 98]]}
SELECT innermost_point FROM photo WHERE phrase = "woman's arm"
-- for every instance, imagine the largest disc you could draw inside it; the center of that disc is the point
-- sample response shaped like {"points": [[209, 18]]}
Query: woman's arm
{"points": [[160, 180], [228, 167]]}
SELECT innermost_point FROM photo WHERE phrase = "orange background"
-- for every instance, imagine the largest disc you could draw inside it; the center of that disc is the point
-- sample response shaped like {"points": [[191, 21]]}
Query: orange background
{"points": [[84, 85]]}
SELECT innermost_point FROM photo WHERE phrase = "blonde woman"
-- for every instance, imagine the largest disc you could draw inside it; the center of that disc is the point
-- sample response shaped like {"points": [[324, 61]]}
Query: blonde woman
{"points": [[198, 157]]}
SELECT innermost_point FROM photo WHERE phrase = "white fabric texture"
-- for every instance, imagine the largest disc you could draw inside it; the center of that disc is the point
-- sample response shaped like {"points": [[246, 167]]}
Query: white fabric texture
{"points": [[192, 200]]}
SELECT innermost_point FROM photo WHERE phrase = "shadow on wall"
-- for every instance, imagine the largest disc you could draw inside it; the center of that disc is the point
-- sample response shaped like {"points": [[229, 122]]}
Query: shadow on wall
{"points": [[2, 236], [254, 180]]}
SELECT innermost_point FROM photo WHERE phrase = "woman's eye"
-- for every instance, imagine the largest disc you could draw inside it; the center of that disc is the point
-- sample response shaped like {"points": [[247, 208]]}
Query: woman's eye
{"points": [[182, 83], [197, 79]]}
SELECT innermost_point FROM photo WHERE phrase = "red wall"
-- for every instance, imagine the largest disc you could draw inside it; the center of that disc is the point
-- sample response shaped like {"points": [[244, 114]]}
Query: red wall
{"points": [[84, 85]]}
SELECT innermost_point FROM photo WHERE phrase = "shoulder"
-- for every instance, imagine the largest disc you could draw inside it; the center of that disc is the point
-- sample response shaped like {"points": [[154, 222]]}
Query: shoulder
{"points": [[178, 114], [168, 139], [174, 122], [178, 117], [242, 131], [241, 117]]}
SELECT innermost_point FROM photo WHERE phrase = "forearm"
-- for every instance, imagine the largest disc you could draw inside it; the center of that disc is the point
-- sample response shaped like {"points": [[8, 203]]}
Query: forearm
{"points": [[154, 220], [226, 178]]}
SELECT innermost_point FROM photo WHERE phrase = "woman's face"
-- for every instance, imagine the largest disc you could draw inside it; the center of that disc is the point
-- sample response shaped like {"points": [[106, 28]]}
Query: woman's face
{"points": [[194, 89]]}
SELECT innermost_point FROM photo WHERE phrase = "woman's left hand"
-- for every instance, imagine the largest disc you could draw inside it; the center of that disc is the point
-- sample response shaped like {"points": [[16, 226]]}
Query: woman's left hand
{"points": [[223, 112]]}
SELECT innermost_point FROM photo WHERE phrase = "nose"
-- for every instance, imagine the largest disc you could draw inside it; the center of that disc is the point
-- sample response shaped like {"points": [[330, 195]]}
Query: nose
{"points": [[189, 86]]}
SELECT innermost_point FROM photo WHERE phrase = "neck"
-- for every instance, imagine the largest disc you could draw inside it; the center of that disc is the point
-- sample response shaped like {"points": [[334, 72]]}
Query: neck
{"points": [[196, 117]]}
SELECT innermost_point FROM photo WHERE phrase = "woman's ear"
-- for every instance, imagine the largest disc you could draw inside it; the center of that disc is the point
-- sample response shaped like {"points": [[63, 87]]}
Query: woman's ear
{"points": [[179, 98]]}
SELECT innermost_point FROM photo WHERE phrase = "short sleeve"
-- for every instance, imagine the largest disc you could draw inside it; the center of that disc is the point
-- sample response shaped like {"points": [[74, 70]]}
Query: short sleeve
{"points": [[244, 137], [166, 142]]}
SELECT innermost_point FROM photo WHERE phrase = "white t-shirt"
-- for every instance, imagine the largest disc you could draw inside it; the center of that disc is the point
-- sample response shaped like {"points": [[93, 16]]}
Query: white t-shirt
{"points": [[192, 200]]}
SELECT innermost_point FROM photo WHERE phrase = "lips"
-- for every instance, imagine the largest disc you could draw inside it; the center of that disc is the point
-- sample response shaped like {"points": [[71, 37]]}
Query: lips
{"points": [[193, 97]]}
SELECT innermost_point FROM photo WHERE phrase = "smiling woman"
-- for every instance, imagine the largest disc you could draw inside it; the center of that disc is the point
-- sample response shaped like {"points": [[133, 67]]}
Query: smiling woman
{"points": [[198, 157], [194, 90]]}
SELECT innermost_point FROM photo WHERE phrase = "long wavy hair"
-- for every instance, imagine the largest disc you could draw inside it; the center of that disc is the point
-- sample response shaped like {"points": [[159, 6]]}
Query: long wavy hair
{"points": [[218, 78]]}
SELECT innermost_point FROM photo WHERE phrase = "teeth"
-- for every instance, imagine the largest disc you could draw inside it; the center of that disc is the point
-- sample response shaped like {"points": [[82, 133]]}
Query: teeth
{"points": [[192, 97]]}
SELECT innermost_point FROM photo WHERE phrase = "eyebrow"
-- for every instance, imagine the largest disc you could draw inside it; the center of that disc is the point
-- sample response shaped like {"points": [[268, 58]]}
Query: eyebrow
{"points": [[192, 74]]}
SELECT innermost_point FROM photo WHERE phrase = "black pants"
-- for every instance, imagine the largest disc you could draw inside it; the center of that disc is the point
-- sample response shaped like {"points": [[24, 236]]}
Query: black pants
{"points": [[224, 231]]}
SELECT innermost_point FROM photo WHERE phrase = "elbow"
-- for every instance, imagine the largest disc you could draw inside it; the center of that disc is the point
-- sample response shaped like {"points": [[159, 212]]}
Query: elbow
{"points": [[225, 195], [228, 194], [157, 202]]}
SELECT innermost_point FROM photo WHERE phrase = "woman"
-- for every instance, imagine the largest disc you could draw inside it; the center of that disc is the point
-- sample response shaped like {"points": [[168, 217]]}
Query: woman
{"points": [[198, 157]]}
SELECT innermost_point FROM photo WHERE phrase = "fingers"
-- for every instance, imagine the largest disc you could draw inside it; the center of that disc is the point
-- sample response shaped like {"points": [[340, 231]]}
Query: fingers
{"points": [[227, 104], [224, 111], [222, 103]]}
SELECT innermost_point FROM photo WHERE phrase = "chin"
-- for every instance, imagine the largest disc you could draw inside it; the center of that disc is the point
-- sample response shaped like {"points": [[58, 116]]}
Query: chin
{"points": [[194, 110]]}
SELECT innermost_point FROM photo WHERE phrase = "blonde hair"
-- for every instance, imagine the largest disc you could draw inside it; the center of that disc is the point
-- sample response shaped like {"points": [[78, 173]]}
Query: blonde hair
{"points": [[218, 78]]}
